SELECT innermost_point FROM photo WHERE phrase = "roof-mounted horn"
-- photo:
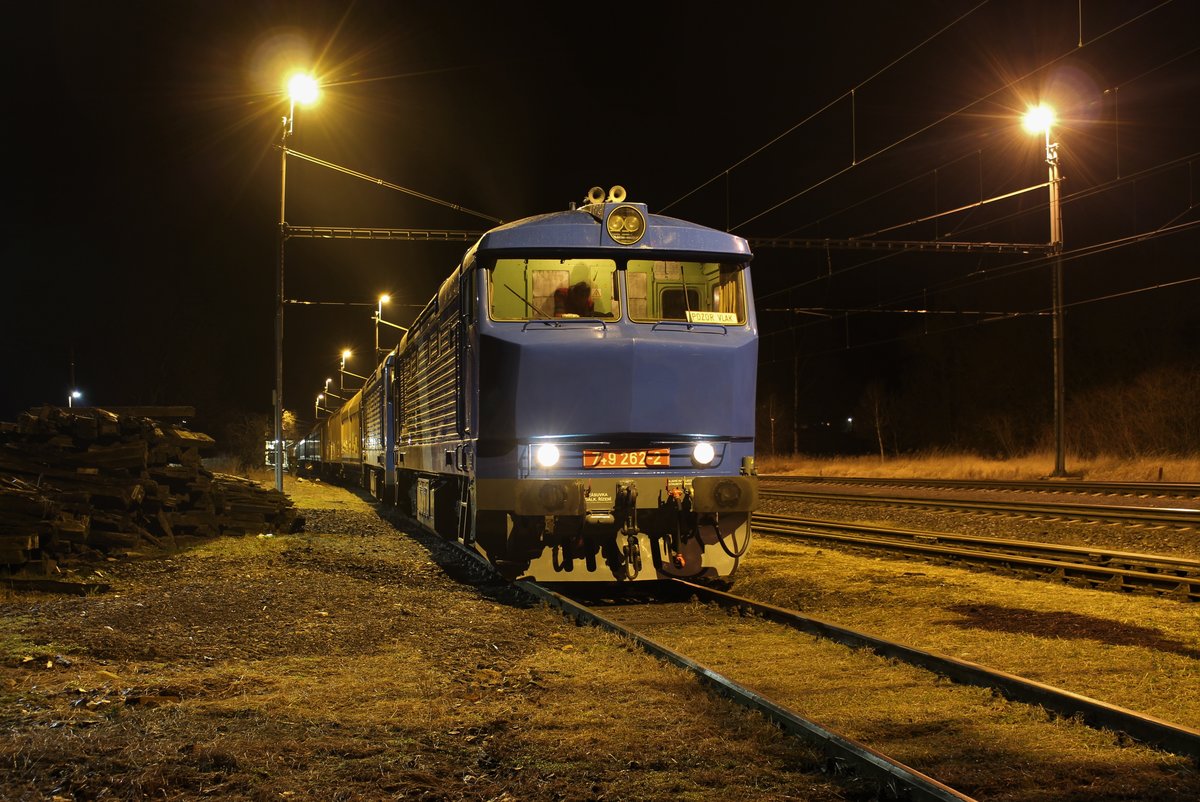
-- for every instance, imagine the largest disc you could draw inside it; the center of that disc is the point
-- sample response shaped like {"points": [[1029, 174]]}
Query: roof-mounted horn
{"points": [[594, 203]]}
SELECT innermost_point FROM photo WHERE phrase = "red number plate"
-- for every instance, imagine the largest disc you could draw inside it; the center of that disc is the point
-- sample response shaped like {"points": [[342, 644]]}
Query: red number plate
{"points": [[649, 458]]}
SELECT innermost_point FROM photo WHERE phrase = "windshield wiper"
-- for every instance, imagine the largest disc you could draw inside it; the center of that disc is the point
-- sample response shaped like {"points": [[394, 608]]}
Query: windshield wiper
{"points": [[525, 301]]}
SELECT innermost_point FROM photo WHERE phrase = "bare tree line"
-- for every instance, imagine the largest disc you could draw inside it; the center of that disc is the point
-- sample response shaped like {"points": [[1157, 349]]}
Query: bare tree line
{"points": [[1156, 412]]}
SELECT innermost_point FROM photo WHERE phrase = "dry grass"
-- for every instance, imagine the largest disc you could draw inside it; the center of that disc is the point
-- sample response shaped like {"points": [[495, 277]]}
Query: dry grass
{"points": [[964, 736], [969, 466], [350, 667], [1139, 651]]}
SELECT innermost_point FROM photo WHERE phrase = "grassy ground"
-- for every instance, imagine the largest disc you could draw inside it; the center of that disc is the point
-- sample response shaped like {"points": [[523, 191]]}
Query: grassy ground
{"points": [[343, 662], [967, 737], [1136, 651], [967, 466]]}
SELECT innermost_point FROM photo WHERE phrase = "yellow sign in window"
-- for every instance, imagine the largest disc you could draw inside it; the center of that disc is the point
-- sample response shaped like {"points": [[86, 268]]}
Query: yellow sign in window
{"points": [[724, 318]]}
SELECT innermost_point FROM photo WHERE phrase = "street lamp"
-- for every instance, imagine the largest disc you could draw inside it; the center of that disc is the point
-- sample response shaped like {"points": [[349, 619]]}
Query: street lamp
{"points": [[328, 394], [317, 406], [1037, 120], [343, 373], [383, 299], [302, 89], [71, 396]]}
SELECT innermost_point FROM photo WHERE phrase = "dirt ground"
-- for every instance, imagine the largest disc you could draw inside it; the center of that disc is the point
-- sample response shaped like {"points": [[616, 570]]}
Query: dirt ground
{"points": [[359, 660], [343, 662]]}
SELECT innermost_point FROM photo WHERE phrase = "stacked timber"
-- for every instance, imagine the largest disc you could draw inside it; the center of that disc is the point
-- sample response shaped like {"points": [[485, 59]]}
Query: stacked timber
{"points": [[93, 482]]}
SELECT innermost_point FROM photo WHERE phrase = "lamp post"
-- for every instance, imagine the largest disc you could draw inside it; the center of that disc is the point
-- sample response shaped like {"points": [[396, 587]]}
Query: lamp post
{"points": [[317, 406], [1039, 120], [71, 396], [328, 394], [302, 89], [343, 373], [383, 299]]}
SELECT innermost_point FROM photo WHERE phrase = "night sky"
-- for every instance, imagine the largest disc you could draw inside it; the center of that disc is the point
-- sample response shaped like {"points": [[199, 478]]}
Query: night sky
{"points": [[143, 179]]}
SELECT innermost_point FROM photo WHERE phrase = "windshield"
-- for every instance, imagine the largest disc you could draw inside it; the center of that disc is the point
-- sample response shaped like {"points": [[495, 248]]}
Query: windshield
{"points": [[695, 292], [655, 290], [542, 289]]}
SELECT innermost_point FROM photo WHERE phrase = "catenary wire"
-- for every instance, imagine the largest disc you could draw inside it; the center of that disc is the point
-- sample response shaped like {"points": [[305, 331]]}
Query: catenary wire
{"points": [[1090, 250], [824, 108], [857, 161]]}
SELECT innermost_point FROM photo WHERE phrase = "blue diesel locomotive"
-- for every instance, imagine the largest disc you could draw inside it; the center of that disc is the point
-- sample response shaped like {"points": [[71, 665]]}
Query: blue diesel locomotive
{"points": [[576, 402]]}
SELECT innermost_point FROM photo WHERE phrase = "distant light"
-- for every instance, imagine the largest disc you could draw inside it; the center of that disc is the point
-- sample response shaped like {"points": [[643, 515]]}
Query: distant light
{"points": [[320, 397], [76, 394], [347, 354], [383, 299], [303, 88], [1038, 118]]}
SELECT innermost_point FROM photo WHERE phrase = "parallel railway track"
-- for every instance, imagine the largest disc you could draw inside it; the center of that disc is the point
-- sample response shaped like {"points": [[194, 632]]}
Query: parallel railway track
{"points": [[894, 777], [1176, 576], [1182, 517], [1184, 490]]}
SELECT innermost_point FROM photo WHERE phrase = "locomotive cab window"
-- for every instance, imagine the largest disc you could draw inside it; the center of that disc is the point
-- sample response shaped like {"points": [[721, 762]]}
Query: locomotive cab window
{"points": [[678, 301], [545, 289], [692, 292]]}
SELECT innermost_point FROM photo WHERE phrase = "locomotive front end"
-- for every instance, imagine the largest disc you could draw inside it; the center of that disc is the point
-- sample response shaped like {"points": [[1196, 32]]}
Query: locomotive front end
{"points": [[616, 365], [633, 519]]}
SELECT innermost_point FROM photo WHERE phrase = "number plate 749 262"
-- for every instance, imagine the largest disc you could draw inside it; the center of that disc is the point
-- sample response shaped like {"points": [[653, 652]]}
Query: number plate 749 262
{"points": [[646, 458]]}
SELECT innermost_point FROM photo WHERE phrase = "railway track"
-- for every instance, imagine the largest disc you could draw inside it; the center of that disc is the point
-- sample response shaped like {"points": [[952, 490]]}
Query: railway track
{"points": [[1113, 570], [650, 625], [642, 621], [891, 778], [1180, 517], [1184, 490]]}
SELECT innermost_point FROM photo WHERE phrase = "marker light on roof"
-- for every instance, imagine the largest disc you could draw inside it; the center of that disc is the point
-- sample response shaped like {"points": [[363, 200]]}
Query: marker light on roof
{"points": [[626, 224]]}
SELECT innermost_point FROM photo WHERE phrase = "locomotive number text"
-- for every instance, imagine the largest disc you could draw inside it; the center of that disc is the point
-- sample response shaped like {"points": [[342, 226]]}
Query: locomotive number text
{"points": [[649, 458]]}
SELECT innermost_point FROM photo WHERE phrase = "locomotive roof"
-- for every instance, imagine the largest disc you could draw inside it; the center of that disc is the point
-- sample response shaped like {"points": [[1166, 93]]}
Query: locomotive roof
{"points": [[584, 228]]}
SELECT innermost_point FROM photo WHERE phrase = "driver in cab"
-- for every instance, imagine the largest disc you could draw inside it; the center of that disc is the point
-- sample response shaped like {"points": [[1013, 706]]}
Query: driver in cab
{"points": [[574, 301]]}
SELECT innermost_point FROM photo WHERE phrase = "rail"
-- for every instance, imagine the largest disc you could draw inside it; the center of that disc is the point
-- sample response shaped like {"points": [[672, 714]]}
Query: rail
{"points": [[1176, 576], [867, 762], [1142, 489], [1188, 517], [1165, 735]]}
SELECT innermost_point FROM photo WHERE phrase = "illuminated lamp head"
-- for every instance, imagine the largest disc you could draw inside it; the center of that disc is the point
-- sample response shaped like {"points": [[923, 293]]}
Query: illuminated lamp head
{"points": [[303, 89], [547, 455], [703, 454], [1038, 119]]}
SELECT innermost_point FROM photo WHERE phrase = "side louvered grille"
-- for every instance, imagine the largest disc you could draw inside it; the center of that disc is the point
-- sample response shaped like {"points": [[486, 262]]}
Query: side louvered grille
{"points": [[373, 417], [429, 406]]}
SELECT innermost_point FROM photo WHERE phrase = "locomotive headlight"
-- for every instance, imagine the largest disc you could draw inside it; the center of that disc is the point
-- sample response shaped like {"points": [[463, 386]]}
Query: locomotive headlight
{"points": [[703, 453], [547, 455]]}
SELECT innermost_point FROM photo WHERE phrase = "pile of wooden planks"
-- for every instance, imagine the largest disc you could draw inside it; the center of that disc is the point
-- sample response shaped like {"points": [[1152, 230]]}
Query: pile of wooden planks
{"points": [[91, 482]]}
